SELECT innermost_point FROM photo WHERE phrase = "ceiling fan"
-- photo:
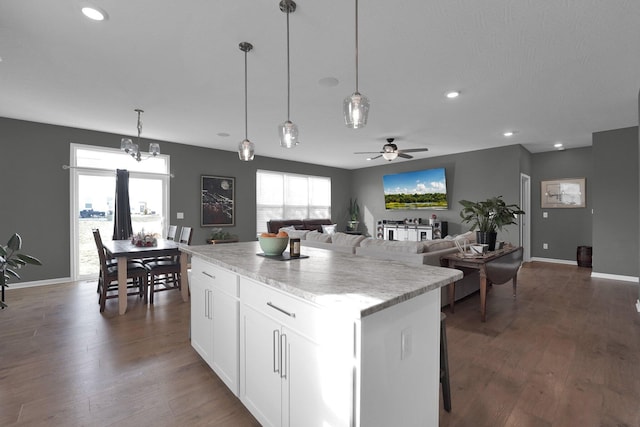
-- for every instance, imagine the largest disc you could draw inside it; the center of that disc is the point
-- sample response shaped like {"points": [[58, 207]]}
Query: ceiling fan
{"points": [[390, 151]]}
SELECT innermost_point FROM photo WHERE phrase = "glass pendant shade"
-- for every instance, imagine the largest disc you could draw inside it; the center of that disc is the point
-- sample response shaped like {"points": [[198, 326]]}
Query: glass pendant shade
{"points": [[246, 150], [154, 148], [356, 110], [126, 144], [288, 134]]}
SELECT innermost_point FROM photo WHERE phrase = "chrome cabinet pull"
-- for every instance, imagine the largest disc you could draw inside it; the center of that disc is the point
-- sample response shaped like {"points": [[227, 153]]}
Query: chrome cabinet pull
{"points": [[270, 304], [276, 349], [207, 274]]}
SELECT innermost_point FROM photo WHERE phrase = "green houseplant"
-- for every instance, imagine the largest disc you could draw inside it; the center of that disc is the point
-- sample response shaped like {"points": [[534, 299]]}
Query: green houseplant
{"points": [[488, 217], [354, 215], [218, 235], [11, 260]]}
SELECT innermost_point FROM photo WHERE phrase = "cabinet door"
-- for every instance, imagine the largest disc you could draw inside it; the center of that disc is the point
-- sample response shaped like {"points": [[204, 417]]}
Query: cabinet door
{"points": [[225, 311], [260, 386], [318, 382], [201, 317]]}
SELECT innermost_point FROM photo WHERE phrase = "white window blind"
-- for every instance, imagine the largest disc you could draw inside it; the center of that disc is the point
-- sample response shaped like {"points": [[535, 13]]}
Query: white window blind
{"points": [[290, 196]]}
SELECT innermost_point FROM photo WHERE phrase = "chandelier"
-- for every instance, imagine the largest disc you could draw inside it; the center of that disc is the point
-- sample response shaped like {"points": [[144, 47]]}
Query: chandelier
{"points": [[133, 149]]}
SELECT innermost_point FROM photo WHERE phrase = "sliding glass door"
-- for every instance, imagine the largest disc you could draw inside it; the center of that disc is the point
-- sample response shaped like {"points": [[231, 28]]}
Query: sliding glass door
{"points": [[92, 199]]}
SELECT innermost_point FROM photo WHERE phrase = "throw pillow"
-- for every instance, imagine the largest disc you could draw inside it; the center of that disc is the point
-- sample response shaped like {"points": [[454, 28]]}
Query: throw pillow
{"points": [[329, 229], [298, 234]]}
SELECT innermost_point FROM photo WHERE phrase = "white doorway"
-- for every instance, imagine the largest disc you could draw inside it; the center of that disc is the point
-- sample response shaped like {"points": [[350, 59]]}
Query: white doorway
{"points": [[92, 200], [525, 220]]}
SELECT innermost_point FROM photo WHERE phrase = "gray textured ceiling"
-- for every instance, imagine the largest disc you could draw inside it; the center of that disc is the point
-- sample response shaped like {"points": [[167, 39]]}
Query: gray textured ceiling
{"points": [[552, 70]]}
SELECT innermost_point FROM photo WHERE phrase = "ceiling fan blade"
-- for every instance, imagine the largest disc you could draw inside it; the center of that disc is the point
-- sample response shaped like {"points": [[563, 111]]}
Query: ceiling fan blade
{"points": [[404, 156], [413, 150], [367, 152], [373, 158]]}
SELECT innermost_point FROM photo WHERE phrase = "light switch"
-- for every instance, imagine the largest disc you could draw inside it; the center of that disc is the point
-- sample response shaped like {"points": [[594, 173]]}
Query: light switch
{"points": [[545, 215], [180, 215]]}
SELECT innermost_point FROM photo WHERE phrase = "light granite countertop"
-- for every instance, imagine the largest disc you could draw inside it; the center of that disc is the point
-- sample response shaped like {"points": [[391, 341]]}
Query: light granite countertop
{"points": [[328, 278]]}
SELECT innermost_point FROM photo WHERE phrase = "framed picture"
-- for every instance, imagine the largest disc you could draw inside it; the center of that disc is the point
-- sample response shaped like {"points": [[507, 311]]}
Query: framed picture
{"points": [[563, 193], [218, 201]]}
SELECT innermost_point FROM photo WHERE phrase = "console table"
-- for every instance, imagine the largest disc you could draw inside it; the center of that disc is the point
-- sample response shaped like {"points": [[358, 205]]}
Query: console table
{"points": [[495, 267]]}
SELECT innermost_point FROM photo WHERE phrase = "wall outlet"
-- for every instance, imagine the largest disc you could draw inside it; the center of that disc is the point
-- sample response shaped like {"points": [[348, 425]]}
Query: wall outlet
{"points": [[545, 214], [545, 246]]}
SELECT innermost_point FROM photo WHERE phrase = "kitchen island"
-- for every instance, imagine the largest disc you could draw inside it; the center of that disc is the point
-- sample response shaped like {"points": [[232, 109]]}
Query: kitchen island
{"points": [[328, 340]]}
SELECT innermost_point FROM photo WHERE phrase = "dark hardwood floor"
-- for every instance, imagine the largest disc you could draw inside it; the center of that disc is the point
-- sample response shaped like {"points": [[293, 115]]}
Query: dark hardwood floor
{"points": [[565, 352]]}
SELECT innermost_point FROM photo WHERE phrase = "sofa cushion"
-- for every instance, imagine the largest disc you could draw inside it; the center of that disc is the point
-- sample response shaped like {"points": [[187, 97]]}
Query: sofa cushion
{"points": [[436, 245], [394, 245], [344, 239], [296, 234], [315, 224], [316, 236]]}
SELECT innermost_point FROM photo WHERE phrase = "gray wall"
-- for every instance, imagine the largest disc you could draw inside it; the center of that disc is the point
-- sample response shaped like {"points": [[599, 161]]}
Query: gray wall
{"points": [[35, 189], [474, 175], [615, 202], [565, 228]]}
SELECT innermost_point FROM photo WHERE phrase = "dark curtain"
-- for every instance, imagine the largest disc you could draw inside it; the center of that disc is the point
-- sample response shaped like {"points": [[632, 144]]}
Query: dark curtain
{"points": [[122, 216]]}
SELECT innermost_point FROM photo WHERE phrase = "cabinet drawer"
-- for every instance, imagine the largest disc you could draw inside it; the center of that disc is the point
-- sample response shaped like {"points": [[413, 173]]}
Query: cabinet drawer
{"points": [[288, 310], [220, 278]]}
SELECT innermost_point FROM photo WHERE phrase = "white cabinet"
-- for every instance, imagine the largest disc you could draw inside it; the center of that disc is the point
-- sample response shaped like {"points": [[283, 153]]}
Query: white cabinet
{"points": [[296, 363], [215, 319]]}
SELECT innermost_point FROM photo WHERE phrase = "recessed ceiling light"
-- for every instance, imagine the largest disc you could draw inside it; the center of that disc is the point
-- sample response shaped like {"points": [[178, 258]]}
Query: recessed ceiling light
{"points": [[453, 94], [222, 134], [509, 133], [94, 13], [558, 145]]}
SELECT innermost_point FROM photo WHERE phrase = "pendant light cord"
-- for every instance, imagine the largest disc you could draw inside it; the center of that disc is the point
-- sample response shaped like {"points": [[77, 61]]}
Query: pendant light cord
{"points": [[246, 131], [288, 70], [356, 45]]}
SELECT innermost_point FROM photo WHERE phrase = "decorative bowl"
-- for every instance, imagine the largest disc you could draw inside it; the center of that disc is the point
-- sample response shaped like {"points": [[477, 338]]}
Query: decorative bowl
{"points": [[273, 245]]}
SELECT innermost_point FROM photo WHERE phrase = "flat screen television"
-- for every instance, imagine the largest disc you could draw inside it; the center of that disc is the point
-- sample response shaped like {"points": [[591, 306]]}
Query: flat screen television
{"points": [[423, 189]]}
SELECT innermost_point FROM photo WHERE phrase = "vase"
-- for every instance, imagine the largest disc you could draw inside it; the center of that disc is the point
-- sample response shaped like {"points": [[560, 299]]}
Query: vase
{"points": [[487, 238], [352, 225]]}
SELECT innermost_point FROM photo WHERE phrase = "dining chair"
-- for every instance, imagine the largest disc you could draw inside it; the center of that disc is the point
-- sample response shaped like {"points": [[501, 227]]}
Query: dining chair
{"points": [[171, 232], [164, 274], [137, 279]]}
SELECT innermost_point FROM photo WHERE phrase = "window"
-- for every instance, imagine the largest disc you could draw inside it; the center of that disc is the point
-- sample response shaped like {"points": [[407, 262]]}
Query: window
{"points": [[92, 194], [290, 196]]}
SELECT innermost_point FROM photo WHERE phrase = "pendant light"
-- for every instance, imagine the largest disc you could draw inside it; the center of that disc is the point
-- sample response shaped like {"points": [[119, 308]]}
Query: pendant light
{"points": [[288, 130], [133, 149], [356, 106], [246, 149]]}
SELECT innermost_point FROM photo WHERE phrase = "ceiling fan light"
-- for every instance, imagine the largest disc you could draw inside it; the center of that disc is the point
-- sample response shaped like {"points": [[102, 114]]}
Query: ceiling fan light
{"points": [[390, 155], [246, 150], [356, 110], [288, 134], [126, 144]]}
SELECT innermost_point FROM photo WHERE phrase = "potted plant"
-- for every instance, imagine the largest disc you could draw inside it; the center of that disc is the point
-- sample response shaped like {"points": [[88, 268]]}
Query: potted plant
{"points": [[354, 214], [489, 216], [220, 236], [11, 260]]}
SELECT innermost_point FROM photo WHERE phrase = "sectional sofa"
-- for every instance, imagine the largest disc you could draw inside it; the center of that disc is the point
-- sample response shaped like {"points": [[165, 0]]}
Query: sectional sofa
{"points": [[425, 252]]}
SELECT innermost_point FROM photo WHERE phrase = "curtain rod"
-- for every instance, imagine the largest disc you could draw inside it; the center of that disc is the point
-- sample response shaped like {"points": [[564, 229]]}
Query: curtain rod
{"points": [[67, 167]]}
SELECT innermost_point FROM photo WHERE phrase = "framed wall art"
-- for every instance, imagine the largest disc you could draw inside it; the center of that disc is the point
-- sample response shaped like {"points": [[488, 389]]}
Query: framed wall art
{"points": [[563, 193], [218, 201]]}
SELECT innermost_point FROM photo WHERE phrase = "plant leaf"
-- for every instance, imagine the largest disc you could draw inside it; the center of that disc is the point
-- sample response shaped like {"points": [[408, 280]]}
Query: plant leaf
{"points": [[28, 259], [15, 242]]}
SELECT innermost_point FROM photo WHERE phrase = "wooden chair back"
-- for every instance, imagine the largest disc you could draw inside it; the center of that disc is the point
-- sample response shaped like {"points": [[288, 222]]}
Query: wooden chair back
{"points": [[185, 235], [101, 252], [171, 232]]}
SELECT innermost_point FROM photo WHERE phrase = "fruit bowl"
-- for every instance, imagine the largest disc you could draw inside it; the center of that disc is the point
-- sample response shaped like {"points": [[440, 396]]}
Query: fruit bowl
{"points": [[273, 246]]}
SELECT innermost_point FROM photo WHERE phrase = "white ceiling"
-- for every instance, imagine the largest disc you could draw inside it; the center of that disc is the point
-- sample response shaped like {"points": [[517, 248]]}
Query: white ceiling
{"points": [[555, 71]]}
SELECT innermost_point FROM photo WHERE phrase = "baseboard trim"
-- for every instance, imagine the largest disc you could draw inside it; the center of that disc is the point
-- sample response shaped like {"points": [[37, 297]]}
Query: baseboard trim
{"points": [[555, 261], [614, 277], [38, 283]]}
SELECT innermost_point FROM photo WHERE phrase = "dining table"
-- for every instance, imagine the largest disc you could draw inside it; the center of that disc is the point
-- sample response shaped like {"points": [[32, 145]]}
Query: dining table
{"points": [[123, 250]]}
